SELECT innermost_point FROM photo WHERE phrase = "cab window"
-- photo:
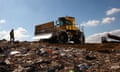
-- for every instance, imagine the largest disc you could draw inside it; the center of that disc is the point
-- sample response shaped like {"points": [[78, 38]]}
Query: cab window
{"points": [[64, 22]]}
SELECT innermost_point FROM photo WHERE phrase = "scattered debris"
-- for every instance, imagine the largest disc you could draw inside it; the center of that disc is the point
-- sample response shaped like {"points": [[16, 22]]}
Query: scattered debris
{"points": [[14, 52], [90, 58], [25, 57]]}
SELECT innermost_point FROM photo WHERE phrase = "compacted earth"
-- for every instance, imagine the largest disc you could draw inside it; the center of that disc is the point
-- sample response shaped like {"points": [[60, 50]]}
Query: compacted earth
{"points": [[45, 57]]}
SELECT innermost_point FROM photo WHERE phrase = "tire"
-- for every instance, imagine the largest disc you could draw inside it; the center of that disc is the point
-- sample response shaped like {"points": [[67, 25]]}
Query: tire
{"points": [[53, 39], [82, 39], [63, 37], [78, 38]]}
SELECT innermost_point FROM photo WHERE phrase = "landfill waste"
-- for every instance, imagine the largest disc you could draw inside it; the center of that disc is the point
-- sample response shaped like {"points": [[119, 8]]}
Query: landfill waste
{"points": [[115, 67], [5, 67], [39, 57], [71, 70], [14, 52], [90, 58]]}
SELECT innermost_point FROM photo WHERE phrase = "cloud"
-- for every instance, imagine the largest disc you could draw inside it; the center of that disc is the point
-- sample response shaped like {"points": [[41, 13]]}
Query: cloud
{"points": [[108, 20], [115, 32], [2, 21], [91, 23], [112, 11], [20, 34], [96, 38], [4, 35]]}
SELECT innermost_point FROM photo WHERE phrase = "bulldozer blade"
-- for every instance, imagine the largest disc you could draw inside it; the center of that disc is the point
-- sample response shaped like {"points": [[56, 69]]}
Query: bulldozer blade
{"points": [[42, 36]]}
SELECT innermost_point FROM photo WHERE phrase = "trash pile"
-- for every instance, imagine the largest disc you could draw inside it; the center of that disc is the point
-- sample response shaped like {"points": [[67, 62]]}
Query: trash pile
{"points": [[33, 57]]}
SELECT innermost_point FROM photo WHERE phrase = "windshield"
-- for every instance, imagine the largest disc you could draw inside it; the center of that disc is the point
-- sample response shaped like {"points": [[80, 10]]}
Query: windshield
{"points": [[65, 22]]}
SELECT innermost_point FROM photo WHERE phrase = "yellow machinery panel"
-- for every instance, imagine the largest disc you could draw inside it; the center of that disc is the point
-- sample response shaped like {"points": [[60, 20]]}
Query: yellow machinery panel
{"points": [[67, 23]]}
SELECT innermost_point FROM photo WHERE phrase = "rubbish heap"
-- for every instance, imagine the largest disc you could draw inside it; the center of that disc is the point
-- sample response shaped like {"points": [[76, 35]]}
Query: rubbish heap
{"points": [[36, 57]]}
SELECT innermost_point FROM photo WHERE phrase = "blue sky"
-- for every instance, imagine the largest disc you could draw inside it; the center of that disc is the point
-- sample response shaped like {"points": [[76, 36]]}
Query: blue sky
{"points": [[97, 16]]}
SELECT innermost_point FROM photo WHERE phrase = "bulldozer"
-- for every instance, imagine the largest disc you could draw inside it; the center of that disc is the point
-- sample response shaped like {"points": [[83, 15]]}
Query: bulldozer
{"points": [[62, 30], [116, 39]]}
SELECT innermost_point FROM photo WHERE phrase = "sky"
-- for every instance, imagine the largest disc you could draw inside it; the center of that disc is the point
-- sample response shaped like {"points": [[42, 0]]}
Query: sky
{"points": [[98, 17]]}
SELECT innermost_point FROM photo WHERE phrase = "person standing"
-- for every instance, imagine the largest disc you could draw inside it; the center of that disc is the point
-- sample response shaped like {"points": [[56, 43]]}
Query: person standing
{"points": [[12, 35]]}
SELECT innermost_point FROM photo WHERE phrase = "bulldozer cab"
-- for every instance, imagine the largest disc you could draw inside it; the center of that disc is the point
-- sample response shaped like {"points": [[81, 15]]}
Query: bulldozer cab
{"points": [[66, 23], [63, 21]]}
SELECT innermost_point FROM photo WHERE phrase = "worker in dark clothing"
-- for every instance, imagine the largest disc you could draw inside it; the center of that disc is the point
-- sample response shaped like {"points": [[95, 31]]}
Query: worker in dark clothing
{"points": [[12, 35]]}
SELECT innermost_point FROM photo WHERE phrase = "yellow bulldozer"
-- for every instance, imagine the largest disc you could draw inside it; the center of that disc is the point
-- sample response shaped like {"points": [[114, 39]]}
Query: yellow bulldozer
{"points": [[63, 30]]}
